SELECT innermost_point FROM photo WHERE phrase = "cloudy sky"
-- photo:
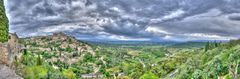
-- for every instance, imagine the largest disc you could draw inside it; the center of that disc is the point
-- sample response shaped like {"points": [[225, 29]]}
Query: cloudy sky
{"points": [[142, 20]]}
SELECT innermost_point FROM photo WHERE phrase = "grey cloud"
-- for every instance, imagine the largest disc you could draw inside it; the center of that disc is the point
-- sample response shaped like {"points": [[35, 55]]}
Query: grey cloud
{"points": [[235, 17], [128, 18], [208, 25]]}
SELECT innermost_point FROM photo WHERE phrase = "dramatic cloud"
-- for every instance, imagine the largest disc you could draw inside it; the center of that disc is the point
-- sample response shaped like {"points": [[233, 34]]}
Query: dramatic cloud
{"points": [[156, 20]]}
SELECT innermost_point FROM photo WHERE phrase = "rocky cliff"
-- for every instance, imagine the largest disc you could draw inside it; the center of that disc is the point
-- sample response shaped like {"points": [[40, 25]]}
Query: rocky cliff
{"points": [[7, 73], [9, 53], [9, 48]]}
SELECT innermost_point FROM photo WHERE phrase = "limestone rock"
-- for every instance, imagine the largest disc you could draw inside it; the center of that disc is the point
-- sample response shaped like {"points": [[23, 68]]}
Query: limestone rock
{"points": [[9, 50], [8, 73]]}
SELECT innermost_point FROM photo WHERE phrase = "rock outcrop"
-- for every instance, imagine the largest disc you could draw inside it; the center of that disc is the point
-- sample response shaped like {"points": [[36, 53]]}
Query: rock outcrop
{"points": [[9, 50], [8, 73], [9, 47]]}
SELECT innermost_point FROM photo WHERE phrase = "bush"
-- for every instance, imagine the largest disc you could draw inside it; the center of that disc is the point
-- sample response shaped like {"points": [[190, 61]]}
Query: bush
{"points": [[69, 74], [34, 72], [149, 75], [88, 58]]}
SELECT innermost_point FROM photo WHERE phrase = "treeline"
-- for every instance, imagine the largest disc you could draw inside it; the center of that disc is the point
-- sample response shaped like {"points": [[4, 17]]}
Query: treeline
{"points": [[227, 45], [212, 45]]}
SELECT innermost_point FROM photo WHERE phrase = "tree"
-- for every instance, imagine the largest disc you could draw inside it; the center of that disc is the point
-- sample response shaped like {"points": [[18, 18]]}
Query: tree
{"points": [[197, 74], [39, 60], [3, 23], [88, 58], [24, 51], [207, 47], [233, 65]]}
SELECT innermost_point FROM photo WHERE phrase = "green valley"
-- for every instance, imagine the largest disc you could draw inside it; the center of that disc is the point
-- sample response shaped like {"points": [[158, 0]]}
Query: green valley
{"points": [[61, 56]]}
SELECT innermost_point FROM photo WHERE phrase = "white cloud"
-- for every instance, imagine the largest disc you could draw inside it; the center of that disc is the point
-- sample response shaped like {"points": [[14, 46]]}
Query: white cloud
{"points": [[212, 13], [171, 15], [116, 9], [124, 38], [202, 36], [174, 14], [156, 30]]}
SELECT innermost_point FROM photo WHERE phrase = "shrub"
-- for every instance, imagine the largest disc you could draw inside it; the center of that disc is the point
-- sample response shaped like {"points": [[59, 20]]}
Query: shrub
{"points": [[149, 75], [69, 74], [34, 72]]}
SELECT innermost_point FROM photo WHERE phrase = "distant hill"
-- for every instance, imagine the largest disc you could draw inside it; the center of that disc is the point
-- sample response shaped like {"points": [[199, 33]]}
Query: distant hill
{"points": [[188, 45], [132, 43], [171, 44]]}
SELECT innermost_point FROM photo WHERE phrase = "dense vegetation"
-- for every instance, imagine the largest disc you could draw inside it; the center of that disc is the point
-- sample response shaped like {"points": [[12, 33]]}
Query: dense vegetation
{"points": [[215, 60], [3, 23]]}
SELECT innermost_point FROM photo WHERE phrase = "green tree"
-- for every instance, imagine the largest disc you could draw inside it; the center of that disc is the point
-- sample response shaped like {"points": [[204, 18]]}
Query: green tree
{"points": [[39, 60], [197, 74], [3, 23], [88, 58], [233, 65], [207, 46]]}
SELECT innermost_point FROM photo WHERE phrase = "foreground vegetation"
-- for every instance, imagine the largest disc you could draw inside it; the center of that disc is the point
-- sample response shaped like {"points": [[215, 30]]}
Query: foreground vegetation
{"points": [[3, 23], [215, 60]]}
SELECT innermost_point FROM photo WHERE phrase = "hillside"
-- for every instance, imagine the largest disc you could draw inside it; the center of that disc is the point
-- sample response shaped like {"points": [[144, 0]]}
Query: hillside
{"points": [[58, 47], [58, 52], [215, 61], [3, 23], [62, 56]]}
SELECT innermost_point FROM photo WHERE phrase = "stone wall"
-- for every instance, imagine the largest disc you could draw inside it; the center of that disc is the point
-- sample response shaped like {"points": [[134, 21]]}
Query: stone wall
{"points": [[4, 53]]}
